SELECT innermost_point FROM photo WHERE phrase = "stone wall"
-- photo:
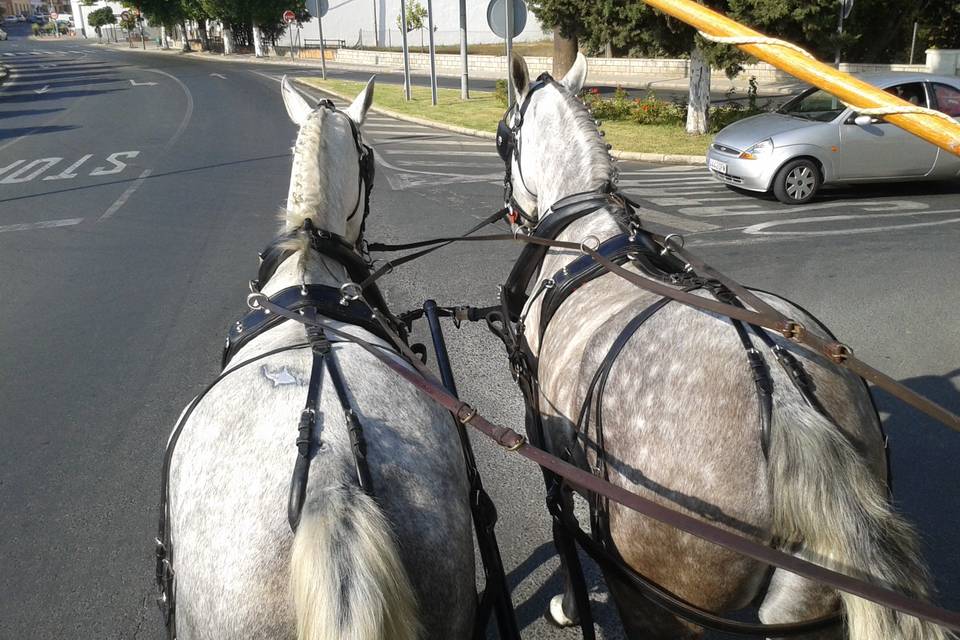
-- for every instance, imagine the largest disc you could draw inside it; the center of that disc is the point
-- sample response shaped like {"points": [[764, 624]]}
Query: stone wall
{"points": [[606, 68]]}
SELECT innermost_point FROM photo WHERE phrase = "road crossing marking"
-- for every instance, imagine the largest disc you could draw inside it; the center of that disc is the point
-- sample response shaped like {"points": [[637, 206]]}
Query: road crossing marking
{"points": [[425, 152], [465, 143], [46, 224], [122, 200], [466, 165]]}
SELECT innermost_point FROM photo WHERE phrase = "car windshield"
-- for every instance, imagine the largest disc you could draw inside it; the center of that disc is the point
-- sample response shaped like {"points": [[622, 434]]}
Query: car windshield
{"points": [[814, 105]]}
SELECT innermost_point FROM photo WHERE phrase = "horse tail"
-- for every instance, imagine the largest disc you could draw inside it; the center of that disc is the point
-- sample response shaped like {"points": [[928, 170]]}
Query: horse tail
{"points": [[827, 498], [346, 576]]}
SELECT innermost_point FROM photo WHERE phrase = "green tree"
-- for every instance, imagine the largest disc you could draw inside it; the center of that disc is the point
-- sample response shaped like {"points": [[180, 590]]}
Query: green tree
{"points": [[101, 18], [416, 17], [942, 21]]}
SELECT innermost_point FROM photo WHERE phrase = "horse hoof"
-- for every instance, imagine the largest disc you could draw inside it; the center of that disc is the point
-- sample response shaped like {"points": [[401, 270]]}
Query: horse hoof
{"points": [[555, 614]]}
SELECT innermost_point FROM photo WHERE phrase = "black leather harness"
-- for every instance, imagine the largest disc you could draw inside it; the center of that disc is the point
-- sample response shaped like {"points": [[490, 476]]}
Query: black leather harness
{"points": [[311, 300], [636, 246]]}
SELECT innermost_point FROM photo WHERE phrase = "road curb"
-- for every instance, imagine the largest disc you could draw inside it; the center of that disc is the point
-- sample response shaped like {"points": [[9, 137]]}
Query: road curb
{"points": [[658, 158]]}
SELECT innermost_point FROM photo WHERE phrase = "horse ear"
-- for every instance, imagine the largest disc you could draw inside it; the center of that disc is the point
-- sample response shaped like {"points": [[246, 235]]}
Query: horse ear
{"points": [[520, 74], [361, 104], [576, 76], [297, 107]]}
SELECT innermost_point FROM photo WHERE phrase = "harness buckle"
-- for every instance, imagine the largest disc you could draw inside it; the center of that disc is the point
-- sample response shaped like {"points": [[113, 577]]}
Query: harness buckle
{"points": [[350, 292], [668, 243]]}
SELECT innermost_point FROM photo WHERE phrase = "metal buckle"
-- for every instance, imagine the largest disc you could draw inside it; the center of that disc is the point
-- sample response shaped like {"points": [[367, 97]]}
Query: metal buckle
{"points": [[667, 243], [584, 246], [349, 292]]}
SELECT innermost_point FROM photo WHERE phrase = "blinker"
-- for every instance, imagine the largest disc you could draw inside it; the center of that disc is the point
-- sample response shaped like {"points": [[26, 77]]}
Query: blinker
{"points": [[504, 140]]}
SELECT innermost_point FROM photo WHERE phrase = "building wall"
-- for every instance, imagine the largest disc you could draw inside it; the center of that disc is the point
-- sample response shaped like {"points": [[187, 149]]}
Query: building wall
{"points": [[352, 21], [76, 9]]}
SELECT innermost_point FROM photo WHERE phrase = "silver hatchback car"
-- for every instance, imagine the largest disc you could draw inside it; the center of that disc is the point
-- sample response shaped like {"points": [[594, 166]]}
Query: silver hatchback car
{"points": [[814, 139]]}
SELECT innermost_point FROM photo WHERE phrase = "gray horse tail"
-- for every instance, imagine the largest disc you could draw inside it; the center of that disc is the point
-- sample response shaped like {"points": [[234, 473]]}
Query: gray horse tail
{"points": [[346, 576], [827, 498]]}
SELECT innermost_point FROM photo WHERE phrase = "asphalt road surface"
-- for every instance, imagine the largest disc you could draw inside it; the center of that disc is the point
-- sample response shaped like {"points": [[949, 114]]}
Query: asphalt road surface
{"points": [[135, 192]]}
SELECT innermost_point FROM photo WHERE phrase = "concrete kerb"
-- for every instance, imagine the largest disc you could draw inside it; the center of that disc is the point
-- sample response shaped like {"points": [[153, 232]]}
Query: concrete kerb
{"points": [[659, 158]]}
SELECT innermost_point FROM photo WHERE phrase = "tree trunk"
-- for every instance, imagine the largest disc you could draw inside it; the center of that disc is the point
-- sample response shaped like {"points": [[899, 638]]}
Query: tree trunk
{"points": [[698, 107], [163, 36], [186, 37], [228, 45], [564, 54], [257, 44], [202, 30]]}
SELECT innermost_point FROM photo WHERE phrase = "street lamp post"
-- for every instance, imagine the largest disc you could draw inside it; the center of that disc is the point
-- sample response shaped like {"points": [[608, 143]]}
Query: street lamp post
{"points": [[464, 72], [406, 50], [433, 55]]}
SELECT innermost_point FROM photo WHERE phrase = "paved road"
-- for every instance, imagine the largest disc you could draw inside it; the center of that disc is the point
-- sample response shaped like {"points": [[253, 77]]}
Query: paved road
{"points": [[135, 191]]}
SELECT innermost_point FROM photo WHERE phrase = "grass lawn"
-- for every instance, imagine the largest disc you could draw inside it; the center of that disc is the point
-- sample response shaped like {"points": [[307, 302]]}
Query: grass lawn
{"points": [[483, 112]]}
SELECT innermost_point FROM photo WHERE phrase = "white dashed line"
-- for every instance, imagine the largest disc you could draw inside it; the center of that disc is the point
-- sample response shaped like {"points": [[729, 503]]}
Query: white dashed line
{"points": [[46, 224]]}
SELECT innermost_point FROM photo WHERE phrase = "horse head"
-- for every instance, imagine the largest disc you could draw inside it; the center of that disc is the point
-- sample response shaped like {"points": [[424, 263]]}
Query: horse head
{"points": [[332, 165], [549, 141]]}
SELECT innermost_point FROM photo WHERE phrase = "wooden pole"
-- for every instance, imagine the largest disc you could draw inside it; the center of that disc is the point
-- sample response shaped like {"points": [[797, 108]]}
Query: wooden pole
{"points": [[854, 92]]}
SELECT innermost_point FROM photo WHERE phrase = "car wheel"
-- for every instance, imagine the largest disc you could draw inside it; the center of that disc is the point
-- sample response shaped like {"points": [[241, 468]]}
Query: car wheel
{"points": [[797, 182]]}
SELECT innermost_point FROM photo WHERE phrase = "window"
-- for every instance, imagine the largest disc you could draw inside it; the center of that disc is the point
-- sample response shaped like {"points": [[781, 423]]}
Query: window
{"points": [[946, 99], [816, 104], [912, 92]]}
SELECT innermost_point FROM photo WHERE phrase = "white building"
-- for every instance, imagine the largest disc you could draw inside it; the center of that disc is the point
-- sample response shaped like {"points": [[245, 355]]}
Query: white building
{"points": [[78, 10], [352, 22]]}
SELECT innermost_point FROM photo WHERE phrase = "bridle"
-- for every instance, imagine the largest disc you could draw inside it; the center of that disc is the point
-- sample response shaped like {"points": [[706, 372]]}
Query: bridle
{"points": [[366, 162], [508, 147]]}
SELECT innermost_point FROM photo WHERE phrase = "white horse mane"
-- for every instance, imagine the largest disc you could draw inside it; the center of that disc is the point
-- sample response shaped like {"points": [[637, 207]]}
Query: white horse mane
{"points": [[589, 155], [308, 184]]}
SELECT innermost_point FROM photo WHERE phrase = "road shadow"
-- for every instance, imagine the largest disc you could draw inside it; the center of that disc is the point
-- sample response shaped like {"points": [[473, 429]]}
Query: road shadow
{"points": [[23, 87], [924, 455], [27, 112], [16, 133], [46, 97]]}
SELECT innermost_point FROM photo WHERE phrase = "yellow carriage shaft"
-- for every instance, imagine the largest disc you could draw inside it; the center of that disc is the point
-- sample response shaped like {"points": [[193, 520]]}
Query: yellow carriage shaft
{"points": [[943, 132]]}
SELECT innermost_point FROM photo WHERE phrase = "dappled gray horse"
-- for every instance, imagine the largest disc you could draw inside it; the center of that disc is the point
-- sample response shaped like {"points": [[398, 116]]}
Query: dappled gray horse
{"points": [[680, 421], [395, 565]]}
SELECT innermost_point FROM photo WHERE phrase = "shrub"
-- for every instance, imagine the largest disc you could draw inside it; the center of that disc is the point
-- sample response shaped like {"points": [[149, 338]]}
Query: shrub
{"points": [[615, 108], [35, 28], [500, 92], [652, 110]]}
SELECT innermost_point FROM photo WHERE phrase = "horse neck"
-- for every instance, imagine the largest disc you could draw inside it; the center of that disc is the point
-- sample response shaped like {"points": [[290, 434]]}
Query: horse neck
{"points": [[570, 163], [324, 187]]}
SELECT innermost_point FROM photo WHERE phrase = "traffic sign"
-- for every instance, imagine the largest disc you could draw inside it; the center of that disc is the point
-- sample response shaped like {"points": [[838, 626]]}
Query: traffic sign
{"points": [[322, 7], [124, 15], [497, 17], [54, 15], [289, 16]]}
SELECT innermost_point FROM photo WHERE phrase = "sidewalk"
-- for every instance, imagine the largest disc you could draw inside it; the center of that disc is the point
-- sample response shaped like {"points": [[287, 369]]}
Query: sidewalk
{"points": [[720, 84]]}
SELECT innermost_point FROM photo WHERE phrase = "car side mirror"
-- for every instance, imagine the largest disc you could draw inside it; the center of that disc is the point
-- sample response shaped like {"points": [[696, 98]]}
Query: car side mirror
{"points": [[863, 121]]}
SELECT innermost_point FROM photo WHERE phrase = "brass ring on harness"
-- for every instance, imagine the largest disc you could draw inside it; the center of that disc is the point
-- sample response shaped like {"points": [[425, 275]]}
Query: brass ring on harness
{"points": [[839, 352], [471, 413], [584, 247], [254, 299], [519, 443], [668, 244], [350, 291], [791, 329]]}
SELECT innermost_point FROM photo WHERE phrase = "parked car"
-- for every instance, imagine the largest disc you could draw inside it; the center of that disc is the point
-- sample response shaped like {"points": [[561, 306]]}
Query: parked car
{"points": [[10, 18], [815, 139]]}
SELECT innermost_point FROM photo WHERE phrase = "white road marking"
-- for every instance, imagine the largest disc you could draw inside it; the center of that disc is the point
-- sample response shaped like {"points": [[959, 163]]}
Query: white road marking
{"points": [[678, 170], [761, 229], [652, 181], [68, 173], [142, 84], [15, 163], [465, 143], [733, 210], [46, 88], [18, 176], [685, 224], [397, 126], [122, 200], [46, 224], [219, 75], [118, 165], [424, 152], [427, 163]]}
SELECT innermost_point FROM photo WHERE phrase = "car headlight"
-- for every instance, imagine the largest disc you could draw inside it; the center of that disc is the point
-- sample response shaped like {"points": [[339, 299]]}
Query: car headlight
{"points": [[758, 150]]}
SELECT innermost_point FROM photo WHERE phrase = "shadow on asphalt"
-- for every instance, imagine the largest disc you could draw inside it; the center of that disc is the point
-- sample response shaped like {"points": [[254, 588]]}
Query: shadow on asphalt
{"points": [[928, 493], [16, 133], [27, 112], [60, 95], [40, 84]]}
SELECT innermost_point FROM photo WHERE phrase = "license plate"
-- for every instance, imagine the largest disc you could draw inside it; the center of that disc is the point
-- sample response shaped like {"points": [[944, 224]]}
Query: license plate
{"points": [[716, 165]]}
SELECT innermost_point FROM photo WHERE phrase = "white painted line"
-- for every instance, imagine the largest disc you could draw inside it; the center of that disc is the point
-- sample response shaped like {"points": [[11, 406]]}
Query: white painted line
{"points": [[218, 75], [9, 55], [657, 181], [466, 143], [142, 84], [871, 205], [47, 224], [685, 224], [671, 170], [124, 196], [46, 88], [397, 126], [462, 165], [419, 152], [761, 229]]}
